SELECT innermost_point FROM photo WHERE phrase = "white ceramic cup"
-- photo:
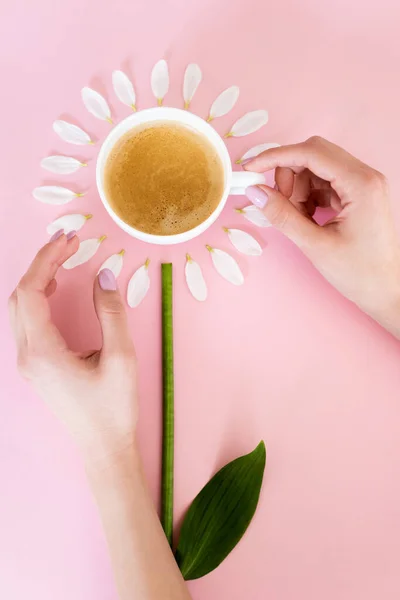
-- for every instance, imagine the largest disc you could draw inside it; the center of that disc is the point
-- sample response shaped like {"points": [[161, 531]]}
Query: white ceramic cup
{"points": [[235, 182]]}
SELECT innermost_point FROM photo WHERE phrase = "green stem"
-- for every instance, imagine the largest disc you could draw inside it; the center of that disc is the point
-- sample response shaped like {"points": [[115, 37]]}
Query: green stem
{"points": [[167, 484]]}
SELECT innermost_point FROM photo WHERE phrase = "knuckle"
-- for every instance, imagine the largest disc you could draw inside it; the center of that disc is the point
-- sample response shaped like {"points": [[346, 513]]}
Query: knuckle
{"points": [[24, 365], [12, 300], [22, 287], [315, 141], [113, 308], [375, 180]]}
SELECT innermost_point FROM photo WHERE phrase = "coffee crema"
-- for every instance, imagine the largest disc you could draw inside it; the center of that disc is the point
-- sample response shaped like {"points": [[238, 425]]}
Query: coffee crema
{"points": [[163, 178]]}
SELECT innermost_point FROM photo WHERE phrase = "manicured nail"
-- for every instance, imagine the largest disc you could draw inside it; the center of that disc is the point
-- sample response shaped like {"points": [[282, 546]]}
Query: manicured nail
{"points": [[245, 161], [56, 235], [257, 196], [107, 280], [71, 234]]}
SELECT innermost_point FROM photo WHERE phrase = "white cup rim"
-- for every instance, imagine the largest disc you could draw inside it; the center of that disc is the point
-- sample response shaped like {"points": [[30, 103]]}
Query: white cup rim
{"points": [[184, 117]]}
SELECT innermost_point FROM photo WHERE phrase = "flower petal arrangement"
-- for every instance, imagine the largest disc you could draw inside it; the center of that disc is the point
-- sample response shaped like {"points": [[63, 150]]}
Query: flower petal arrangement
{"points": [[55, 194], [62, 165], [87, 249], [195, 279], [73, 222], [71, 133], [223, 509], [249, 123], [226, 266], [139, 285], [160, 81], [244, 242], [191, 82], [224, 103], [115, 262], [253, 152], [96, 104], [124, 90], [254, 215]]}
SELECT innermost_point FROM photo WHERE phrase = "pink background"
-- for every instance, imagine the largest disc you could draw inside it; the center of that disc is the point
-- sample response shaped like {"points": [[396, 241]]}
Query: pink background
{"points": [[283, 358]]}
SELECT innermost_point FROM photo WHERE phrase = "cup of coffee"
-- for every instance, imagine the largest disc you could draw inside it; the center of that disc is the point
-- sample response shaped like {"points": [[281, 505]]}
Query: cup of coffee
{"points": [[164, 175]]}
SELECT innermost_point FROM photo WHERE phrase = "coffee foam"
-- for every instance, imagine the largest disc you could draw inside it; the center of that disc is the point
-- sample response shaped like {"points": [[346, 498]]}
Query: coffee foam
{"points": [[163, 179]]}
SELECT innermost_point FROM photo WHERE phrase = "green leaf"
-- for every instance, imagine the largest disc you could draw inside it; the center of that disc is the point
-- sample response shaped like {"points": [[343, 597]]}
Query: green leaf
{"points": [[220, 514]]}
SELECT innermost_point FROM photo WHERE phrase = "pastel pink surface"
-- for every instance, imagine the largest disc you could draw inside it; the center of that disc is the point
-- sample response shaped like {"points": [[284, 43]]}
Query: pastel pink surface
{"points": [[284, 358]]}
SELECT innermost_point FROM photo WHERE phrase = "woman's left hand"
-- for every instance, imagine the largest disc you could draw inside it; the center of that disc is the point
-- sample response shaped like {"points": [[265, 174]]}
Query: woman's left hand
{"points": [[94, 395]]}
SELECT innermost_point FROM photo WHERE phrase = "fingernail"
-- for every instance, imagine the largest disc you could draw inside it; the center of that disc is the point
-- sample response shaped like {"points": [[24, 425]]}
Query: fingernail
{"points": [[276, 187], [71, 234], [257, 196], [107, 280], [245, 161], [56, 235]]}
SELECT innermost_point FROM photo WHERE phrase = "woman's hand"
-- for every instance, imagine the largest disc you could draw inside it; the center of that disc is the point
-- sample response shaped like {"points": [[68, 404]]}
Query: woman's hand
{"points": [[95, 397], [95, 394], [358, 250]]}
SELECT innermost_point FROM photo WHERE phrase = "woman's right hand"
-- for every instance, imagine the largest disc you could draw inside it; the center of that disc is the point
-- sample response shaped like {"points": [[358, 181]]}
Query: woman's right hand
{"points": [[358, 250]]}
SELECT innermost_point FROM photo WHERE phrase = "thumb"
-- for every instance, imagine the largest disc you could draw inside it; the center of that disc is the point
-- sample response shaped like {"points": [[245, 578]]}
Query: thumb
{"points": [[111, 313], [283, 215]]}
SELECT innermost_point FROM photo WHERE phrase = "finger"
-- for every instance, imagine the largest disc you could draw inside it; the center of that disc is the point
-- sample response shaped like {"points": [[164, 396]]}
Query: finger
{"points": [[283, 215], [111, 314], [88, 354], [284, 179], [327, 198], [326, 160], [32, 306], [296, 188], [318, 183], [301, 188], [12, 312], [51, 288], [91, 358]]}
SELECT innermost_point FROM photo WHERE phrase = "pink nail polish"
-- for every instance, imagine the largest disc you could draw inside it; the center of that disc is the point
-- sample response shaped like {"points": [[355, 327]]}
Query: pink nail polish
{"points": [[107, 280], [257, 196], [70, 235], [56, 235]]}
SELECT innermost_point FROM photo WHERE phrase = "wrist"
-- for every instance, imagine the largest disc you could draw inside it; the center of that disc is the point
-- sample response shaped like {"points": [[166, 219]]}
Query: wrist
{"points": [[387, 311], [109, 460], [389, 318]]}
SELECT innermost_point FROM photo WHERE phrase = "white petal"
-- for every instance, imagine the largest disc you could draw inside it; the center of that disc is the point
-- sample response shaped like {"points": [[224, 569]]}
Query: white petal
{"points": [[254, 215], [226, 266], [54, 194], [224, 103], [138, 285], [69, 223], [249, 123], [160, 80], [96, 104], [124, 89], [71, 133], [195, 279], [87, 249], [63, 165], [114, 263], [253, 152], [244, 242], [191, 82]]}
